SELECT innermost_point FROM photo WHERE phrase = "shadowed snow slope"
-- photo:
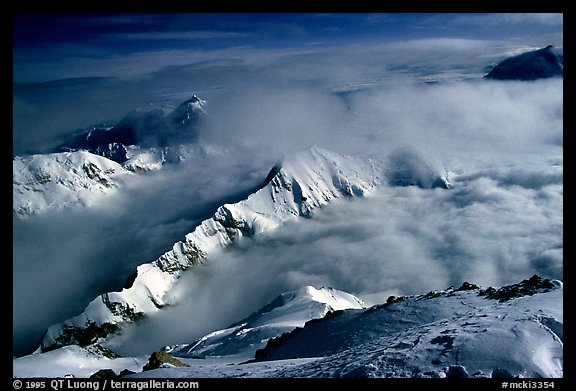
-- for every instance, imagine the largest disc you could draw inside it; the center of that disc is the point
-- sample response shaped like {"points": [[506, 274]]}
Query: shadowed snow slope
{"points": [[517, 329], [537, 64], [286, 312]]}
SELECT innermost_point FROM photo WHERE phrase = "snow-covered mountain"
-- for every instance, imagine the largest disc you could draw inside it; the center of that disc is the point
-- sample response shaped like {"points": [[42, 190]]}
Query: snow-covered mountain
{"points": [[147, 127], [286, 312], [469, 331], [91, 162], [292, 190], [536, 64], [51, 181]]}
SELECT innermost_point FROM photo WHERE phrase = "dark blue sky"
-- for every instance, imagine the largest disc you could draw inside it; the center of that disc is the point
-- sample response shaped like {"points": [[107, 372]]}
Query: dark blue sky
{"points": [[75, 70], [59, 40]]}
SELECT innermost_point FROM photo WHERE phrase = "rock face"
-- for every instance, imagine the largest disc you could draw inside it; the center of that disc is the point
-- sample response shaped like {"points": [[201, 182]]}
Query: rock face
{"points": [[104, 374], [160, 359], [538, 64]]}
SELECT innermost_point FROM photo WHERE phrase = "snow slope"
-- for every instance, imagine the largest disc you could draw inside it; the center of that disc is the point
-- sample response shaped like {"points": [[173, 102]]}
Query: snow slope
{"points": [[53, 181], [288, 311], [469, 331], [73, 360], [237, 343], [513, 331]]}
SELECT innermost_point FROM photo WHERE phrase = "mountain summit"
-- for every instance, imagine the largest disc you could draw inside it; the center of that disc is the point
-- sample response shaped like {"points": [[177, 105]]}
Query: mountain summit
{"points": [[149, 127], [283, 314], [538, 64]]}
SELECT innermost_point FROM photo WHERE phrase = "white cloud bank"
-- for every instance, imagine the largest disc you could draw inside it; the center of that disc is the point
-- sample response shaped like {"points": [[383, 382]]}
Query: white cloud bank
{"points": [[502, 142]]}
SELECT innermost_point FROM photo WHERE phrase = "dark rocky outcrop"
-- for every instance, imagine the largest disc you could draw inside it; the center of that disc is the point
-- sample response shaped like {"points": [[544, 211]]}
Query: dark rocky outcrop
{"points": [[159, 359]]}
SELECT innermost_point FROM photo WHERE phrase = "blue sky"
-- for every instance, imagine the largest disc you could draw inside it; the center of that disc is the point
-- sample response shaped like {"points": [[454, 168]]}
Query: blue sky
{"points": [[75, 70], [45, 45]]}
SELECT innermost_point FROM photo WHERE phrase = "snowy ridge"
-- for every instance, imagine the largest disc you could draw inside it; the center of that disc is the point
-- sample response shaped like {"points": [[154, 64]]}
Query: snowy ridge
{"points": [[90, 163], [308, 180], [511, 331], [77, 179], [154, 158], [465, 332], [288, 311], [57, 180]]}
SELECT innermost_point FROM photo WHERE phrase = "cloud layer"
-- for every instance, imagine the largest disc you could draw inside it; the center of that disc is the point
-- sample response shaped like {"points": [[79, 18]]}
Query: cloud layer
{"points": [[502, 221], [494, 227], [502, 142]]}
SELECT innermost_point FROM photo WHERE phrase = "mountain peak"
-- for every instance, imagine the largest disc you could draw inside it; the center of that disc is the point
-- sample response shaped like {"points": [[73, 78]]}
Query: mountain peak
{"points": [[148, 127], [286, 312], [304, 182], [536, 64]]}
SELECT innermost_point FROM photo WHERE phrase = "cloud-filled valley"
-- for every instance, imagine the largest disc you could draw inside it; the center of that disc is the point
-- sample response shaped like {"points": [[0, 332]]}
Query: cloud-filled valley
{"points": [[397, 241], [501, 143]]}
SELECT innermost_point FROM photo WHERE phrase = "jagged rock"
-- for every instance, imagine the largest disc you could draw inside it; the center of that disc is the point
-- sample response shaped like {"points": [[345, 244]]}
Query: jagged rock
{"points": [[104, 374], [159, 359], [528, 287], [456, 372], [125, 372], [501, 373], [114, 151]]}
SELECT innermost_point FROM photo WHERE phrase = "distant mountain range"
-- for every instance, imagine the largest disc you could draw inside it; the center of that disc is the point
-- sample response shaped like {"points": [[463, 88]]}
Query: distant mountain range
{"points": [[148, 127]]}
